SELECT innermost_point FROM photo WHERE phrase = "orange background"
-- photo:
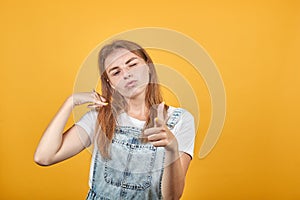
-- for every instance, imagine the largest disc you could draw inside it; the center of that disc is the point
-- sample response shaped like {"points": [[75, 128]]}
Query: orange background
{"points": [[254, 44]]}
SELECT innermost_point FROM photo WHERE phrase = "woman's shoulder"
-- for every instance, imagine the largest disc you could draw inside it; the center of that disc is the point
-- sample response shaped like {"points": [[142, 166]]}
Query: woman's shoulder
{"points": [[181, 113]]}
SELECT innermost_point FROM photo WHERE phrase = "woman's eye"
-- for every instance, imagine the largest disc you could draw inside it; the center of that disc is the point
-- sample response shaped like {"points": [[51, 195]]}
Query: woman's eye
{"points": [[116, 73], [131, 65]]}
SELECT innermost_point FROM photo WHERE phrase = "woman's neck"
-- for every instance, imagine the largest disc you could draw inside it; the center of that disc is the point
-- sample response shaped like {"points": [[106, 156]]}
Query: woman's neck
{"points": [[137, 108]]}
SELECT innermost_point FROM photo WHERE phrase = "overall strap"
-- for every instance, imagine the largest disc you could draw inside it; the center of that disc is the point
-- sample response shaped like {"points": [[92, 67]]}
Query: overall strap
{"points": [[174, 118]]}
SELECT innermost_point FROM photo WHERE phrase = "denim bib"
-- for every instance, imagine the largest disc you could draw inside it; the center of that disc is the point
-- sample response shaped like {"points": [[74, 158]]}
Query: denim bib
{"points": [[135, 169]]}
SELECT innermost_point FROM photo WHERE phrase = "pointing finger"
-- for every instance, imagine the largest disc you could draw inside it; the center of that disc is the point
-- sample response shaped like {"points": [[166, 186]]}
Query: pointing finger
{"points": [[155, 130]]}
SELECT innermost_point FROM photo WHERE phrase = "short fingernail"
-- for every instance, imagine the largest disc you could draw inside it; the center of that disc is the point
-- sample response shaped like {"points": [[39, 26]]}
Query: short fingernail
{"points": [[102, 98], [101, 103]]}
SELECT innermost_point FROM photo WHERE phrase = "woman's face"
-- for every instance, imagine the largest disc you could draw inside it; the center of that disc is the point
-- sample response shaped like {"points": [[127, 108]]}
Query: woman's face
{"points": [[127, 73]]}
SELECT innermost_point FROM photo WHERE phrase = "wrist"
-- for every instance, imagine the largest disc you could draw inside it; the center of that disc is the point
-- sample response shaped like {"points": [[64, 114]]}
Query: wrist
{"points": [[70, 102], [172, 148], [171, 156]]}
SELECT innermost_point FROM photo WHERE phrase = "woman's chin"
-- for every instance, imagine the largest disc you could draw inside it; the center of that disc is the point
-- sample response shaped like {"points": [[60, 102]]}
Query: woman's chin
{"points": [[134, 93]]}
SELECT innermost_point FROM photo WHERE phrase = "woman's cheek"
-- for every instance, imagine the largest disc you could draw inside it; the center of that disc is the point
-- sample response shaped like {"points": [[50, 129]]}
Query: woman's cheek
{"points": [[116, 82]]}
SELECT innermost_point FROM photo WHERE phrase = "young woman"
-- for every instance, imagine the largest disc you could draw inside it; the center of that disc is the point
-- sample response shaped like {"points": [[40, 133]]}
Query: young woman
{"points": [[142, 147]]}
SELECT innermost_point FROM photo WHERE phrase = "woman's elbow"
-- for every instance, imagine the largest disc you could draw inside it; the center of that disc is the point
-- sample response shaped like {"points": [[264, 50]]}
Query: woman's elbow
{"points": [[42, 161], [173, 197]]}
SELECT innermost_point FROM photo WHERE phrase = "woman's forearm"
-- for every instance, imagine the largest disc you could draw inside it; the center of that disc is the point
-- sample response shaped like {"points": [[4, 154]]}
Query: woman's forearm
{"points": [[173, 177], [52, 137]]}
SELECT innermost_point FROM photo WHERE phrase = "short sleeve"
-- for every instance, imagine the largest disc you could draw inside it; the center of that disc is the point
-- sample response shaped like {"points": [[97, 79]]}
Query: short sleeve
{"points": [[88, 123], [185, 133]]}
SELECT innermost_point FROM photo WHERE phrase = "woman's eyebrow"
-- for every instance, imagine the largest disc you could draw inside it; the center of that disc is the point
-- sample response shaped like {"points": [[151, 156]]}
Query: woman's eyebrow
{"points": [[131, 59], [128, 61], [111, 69]]}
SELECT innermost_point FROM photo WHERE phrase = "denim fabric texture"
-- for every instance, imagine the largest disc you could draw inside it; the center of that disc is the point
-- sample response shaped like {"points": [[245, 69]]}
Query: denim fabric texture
{"points": [[135, 169]]}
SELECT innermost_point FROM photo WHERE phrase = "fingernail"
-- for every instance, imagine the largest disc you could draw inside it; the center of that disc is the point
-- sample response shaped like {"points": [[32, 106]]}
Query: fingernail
{"points": [[102, 98], [101, 103]]}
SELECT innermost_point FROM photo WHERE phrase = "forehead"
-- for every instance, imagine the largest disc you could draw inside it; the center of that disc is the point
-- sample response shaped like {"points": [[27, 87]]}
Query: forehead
{"points": [[118, 57]]}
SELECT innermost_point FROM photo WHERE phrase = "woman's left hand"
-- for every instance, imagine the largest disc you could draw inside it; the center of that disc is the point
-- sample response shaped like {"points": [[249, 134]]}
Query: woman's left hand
{"points": [[160, 135]]}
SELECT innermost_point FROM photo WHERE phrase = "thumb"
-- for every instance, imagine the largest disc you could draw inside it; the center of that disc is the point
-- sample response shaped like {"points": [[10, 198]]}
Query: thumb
{"points": [[159, 120]]}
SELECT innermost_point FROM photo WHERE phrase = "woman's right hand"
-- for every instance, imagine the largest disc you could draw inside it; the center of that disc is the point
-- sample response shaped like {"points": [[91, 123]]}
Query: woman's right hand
{"points": [[94, 98], [56, 144]]}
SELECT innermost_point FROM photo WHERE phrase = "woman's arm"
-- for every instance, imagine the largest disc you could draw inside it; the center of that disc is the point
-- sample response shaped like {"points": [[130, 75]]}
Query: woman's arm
{"points": [[176, 165], [173, 180], [56, 146]]}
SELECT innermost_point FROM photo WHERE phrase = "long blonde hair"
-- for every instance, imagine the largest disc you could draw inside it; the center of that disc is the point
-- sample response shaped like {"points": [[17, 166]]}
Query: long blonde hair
{"points": [[107, 115]]}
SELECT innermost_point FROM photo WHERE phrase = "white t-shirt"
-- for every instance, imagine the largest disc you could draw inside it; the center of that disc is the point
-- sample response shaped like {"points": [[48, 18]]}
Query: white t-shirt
{"points": [[184, 130]]}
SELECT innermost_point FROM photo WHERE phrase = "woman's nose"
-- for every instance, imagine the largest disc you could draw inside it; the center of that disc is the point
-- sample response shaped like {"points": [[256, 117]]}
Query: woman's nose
{"points": [[127, 73]]}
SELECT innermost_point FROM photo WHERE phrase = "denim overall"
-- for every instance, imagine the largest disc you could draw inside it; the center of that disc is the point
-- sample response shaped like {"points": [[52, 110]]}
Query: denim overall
{"points": [[135, 169]]}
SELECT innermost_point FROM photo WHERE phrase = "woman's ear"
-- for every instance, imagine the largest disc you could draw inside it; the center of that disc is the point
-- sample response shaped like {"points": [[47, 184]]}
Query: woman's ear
{"points": [[110, 84]]}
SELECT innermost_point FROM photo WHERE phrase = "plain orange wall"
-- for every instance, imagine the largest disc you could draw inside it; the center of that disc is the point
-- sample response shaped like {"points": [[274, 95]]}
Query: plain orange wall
{"points": [[254, 44]]}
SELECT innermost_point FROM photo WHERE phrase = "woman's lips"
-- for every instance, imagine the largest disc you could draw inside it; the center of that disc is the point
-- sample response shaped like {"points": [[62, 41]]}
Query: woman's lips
{"points": [[131, 84]]}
